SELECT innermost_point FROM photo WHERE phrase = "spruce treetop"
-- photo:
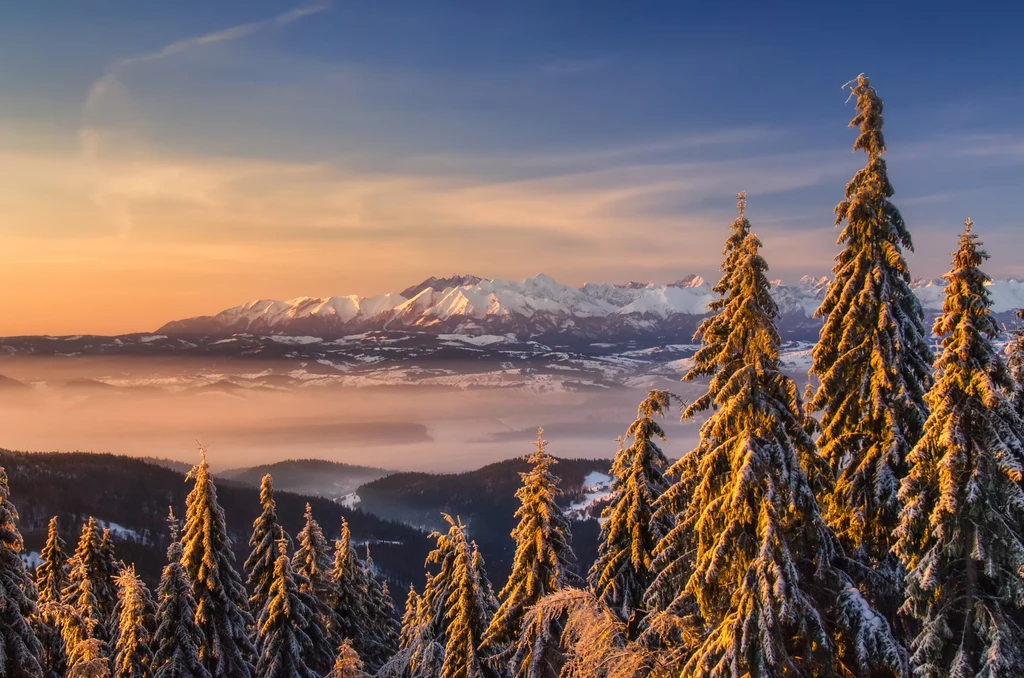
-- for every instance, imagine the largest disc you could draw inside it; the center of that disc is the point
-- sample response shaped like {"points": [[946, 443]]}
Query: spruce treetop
{"points": [[52, 573], [312, 557]]}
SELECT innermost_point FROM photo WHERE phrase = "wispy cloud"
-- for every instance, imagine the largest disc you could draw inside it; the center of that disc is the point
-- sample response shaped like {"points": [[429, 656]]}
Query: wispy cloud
{"points": [[228, 34], [103, 84]]}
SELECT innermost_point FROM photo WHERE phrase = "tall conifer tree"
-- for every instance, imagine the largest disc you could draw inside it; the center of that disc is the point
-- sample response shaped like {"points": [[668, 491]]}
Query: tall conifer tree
{"points": [[542, 565], [750, 547], [312, 566], [91, 592], [312, 558], [216, 585], [419, 653], [961, 533], [285, 646], [380, 626], [132, 655], [177, 639], [52, 572], [348, 603], [631, 528], [872, 361], [462, 602], [266, 533], [20, 650]]}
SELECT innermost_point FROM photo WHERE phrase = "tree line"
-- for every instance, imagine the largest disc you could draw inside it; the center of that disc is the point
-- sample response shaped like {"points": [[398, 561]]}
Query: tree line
{"points": [[871, 526]]}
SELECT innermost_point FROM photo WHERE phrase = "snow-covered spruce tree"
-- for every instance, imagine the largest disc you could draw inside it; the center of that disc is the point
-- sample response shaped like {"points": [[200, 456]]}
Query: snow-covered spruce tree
{"points": [[961, 532], [872, 361], [631, 529], [380, 625], [266, 532], [671, 608], [285, 647], [312, 558], [52, 572], [1015, 363], [91, 592], [461, 598], [312, 565], [132, 655], [216, 586], [419, 653], [725, 289], [542, 564], [758, 559], [347, 664], [177, 639], [20, 650], [348, 604]]}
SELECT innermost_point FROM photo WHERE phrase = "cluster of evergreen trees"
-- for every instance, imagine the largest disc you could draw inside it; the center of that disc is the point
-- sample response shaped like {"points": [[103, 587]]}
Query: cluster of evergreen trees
{"points": [[310, 614], [872, 527]]}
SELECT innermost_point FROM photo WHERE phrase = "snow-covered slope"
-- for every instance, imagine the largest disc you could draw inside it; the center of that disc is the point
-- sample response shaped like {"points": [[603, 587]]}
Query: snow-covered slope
{"points": [[534, 307]]}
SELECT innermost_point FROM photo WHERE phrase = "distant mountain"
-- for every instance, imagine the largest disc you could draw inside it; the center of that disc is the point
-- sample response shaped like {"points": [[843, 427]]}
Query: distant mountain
{"points": [[537, 307], [315, 477]]}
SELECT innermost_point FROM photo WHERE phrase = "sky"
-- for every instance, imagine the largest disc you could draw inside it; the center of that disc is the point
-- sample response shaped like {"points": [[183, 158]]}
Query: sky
{"points": [[166, 160]]}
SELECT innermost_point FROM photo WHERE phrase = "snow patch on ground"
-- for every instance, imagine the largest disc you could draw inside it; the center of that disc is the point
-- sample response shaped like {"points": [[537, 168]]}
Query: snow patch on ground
{"points": [[32, 560], [296, 340], [119, 531], [350, 500], [597, 487], [477, 340]]}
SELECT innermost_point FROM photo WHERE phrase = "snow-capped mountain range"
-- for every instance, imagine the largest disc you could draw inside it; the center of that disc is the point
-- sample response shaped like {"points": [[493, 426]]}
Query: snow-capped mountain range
{"points": [[535, 307]]}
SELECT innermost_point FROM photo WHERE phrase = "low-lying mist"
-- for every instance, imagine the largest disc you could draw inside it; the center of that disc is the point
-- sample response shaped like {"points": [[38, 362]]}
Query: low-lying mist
{"points": [[129, 405]]}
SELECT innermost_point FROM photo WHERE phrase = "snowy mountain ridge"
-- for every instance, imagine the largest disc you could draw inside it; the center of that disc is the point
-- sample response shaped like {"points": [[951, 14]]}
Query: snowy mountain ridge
{"points": [[532, 307]]}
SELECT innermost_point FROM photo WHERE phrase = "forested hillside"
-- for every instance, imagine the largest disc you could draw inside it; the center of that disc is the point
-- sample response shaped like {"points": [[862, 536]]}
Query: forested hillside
{"points": [[135, 495]]}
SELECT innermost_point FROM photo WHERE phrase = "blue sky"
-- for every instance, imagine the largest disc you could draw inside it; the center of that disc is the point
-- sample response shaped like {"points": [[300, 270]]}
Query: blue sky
{"points": [[176, 158]]}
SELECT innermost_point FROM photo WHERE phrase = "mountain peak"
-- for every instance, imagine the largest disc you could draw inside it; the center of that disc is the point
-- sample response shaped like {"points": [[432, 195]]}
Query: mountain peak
{"points": [[692, 280], [441, 284]]}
